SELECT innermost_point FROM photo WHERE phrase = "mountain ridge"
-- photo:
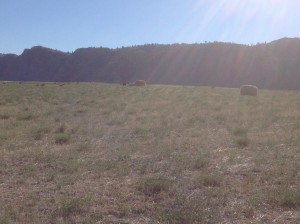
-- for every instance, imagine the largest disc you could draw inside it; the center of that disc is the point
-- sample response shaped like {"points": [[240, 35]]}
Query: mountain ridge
{"points": [[274, 65]]}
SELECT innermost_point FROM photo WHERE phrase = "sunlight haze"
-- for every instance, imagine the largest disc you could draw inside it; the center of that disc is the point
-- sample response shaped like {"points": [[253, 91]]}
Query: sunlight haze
{"points": [[68, 25]]}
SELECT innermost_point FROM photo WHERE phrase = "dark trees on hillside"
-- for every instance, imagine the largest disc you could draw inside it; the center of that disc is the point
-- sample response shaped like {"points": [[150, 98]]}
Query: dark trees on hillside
{"points": [[275, 65]]}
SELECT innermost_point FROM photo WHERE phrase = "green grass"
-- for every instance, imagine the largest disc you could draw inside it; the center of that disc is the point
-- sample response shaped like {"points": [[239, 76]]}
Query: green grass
{"points": [[70, 205], [210, 180], [285, 196], [99, 153], [153, 185]]}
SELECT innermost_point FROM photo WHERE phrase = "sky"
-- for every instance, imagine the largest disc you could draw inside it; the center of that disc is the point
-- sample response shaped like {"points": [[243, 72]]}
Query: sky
{"points": [[70, 24]]}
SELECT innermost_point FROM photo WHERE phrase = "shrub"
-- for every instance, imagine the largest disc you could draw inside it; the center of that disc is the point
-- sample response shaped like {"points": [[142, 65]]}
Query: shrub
{"points": [[38, 132], [83, 147], [4, 116], [201, 162], [61, 128], [210, 180], [243, 141], [62, 138], [25, 116], [285, 196], [240, 131], [193, 209], [70, 205], [153, 185]]}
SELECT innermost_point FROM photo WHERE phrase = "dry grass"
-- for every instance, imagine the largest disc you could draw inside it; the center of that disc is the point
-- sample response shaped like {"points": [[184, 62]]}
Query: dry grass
{"points": [[95, 153]]}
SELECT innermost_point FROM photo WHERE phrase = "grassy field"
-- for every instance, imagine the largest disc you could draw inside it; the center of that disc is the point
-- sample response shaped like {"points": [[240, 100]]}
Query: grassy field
{"points": [[96, 153]]}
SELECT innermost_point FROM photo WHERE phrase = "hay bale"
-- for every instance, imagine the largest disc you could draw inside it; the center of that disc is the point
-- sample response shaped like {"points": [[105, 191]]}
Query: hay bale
{"points": [[140, 83], [248, 90]]}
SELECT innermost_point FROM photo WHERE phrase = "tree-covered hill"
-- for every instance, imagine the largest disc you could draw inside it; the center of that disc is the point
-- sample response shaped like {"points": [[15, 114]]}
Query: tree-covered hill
{"points": [[274, 65]]}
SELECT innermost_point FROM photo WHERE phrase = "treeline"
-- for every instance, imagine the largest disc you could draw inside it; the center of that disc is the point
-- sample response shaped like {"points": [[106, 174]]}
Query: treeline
{"points": [[274, 65]]}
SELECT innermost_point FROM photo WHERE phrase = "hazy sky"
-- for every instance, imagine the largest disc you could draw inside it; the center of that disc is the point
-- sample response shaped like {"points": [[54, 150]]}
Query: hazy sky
{"points": [[70, 24]]}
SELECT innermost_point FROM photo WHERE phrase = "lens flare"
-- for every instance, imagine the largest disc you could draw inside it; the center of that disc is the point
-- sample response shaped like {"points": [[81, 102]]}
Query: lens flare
{"points": [[238, 20]]}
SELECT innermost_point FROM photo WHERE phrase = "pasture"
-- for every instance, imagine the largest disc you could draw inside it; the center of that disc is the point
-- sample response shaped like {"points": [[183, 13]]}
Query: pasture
{"points": [[99, 153]]}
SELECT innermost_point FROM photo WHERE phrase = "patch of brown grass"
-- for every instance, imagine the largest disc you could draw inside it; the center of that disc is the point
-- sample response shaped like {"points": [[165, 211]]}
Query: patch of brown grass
{"points": [[89, 153]]}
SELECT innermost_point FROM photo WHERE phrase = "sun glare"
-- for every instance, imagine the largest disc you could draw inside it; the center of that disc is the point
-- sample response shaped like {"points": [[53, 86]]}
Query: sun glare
{"points": [[240, 19]]}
